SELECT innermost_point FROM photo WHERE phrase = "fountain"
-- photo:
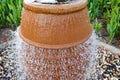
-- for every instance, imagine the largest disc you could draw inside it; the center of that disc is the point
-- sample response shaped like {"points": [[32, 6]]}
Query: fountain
{"points": [[12, 55], [55, 35], [54, 42]]}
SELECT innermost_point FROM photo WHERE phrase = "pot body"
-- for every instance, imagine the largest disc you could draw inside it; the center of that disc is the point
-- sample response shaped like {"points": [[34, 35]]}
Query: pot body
{"points": [[55, 29]]}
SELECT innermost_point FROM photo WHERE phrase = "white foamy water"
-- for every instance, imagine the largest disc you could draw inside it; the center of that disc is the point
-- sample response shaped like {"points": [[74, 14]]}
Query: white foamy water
{"points": [[46, 1], [51, 1], [35, 63]]}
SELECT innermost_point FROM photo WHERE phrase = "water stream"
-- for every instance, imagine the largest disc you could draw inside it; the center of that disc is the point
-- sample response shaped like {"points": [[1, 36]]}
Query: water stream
{"points": [[33, 63]]}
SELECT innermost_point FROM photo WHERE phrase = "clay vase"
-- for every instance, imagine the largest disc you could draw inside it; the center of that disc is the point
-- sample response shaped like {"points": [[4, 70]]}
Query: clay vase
{"points": [[55, 26], [52, 33]]}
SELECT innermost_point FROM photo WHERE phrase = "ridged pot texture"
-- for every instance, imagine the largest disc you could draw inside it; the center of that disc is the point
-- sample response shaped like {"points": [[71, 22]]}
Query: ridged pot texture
{"points": [[55, 26]]}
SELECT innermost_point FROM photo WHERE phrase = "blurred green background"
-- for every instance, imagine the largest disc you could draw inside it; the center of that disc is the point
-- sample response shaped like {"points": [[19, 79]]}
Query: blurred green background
{"points": [[10, 13]]}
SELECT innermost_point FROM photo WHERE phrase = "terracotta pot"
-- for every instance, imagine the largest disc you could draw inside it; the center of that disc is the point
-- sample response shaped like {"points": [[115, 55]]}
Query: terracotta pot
{"points": [[54, 31], [55, 26]]}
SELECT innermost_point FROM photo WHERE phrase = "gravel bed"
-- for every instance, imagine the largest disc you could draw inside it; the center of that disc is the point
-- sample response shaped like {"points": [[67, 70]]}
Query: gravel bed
{"points": [[107, 67], [107, 63], [7, 65]]}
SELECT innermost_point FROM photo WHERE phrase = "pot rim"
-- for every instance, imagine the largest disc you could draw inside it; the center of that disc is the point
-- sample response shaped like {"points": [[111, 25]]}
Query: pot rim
{"points": [[60, 46], [54, 8]]}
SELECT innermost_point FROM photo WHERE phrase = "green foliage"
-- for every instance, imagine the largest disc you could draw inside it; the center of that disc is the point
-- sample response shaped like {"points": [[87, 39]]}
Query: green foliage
{"points": [[109, 11], [93, 7], [3, 12], [97, 26], [10, 13], [113, 24]]}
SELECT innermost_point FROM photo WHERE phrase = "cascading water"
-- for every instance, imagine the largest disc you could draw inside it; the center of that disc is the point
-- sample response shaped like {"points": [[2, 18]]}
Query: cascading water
{"points": [[39, 63], [60, 64], [21, 61], [55, 64]]}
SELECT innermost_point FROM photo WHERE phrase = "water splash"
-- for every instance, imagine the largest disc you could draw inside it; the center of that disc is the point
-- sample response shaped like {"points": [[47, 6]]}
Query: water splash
{"points": [[35, 63]]}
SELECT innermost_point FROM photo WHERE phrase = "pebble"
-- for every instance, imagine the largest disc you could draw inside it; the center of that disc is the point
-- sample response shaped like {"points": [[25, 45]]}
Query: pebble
{"points": [[0, 59]]}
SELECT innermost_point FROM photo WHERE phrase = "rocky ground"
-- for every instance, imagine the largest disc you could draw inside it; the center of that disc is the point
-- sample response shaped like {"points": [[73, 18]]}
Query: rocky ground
{"points": [[107, 67]]}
